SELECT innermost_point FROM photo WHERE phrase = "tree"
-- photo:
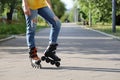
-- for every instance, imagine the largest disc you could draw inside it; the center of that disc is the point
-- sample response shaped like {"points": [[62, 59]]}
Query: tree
{"points": [[58, 7], [101, 9], [12, 4], [118, 12], [105, 9], [2, 4]]}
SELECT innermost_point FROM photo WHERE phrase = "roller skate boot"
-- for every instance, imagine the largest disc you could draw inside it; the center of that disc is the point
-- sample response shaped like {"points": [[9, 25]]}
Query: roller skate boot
{"points": [[34, 59], [50, 55]]}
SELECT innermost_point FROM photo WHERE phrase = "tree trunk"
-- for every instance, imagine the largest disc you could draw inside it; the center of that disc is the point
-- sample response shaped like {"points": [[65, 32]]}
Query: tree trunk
{"points": [[118, 20], [9, 14]]}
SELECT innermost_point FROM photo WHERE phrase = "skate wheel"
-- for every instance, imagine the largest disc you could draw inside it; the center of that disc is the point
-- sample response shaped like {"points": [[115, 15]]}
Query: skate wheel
{"points": [[48, 60], [38, 62], [52, 62], [32, 65], [39, 67], [43, 58], [57, 64]]}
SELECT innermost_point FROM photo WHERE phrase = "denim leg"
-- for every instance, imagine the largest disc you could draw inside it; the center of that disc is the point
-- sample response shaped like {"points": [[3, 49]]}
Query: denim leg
{"points": [[31, 27], [55, 24]]}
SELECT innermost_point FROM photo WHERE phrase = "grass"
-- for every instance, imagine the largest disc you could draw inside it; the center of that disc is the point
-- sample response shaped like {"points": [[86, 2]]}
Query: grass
{"points": [[11, 29], [107, 28], [14, 29]]}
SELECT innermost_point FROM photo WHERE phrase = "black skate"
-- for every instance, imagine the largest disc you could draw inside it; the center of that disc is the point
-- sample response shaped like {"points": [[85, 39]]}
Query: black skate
{"points": [[34, 59], [50, 57]]}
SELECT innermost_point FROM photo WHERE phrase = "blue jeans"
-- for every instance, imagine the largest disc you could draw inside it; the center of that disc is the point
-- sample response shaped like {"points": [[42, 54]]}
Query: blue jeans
{"points": [[49, 16]]}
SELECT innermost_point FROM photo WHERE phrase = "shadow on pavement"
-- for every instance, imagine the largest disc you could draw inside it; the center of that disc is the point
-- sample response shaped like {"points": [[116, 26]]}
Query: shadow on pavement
{"points": [[83, 69]]}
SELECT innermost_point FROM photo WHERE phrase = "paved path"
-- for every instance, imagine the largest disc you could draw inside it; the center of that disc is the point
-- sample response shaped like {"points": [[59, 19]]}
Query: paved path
{"points": [[86, 55]]}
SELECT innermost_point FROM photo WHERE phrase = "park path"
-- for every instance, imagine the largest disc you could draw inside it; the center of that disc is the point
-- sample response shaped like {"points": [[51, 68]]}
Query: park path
{"points": [[86, 55]]}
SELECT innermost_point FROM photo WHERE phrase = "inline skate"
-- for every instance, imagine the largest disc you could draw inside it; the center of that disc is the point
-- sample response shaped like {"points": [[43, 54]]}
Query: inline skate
{"points": [[50, 55], [34, 59]]}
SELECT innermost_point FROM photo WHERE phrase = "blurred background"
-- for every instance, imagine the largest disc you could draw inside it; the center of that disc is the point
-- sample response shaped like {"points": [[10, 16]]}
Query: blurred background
{"points": [[96, 14]]}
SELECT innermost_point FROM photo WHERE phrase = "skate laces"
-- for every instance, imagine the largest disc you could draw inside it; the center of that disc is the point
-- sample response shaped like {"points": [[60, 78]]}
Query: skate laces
{"points": [[33, 54]]}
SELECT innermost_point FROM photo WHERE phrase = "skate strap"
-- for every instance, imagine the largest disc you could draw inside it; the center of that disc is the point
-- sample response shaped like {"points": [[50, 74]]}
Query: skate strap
{"points": [[33, 53]]}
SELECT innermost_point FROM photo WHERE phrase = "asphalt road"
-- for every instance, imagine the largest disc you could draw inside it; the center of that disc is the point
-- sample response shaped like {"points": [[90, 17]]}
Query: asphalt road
{"points": [[85, 54]]}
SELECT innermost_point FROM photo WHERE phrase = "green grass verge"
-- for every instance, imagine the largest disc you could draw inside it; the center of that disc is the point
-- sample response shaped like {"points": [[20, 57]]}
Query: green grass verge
{"points": [[107, 29], [11, 29], [14, 29]]}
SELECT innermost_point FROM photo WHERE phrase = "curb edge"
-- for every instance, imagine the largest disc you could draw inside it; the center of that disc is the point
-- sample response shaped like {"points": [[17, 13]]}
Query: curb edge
{"points": [[8, 38], [110, 35]]}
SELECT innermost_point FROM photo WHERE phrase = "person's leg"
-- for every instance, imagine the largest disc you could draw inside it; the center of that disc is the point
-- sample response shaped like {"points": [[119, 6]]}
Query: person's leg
{"points": [[30, 34], [55, 23], [31, 27]]}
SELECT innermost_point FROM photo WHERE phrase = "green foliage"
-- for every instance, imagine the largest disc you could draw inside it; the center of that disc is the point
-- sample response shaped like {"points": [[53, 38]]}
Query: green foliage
{"points": [[107, 28], [58, 7], [101, 9], [83, 15], [64, 17], [8, 6], [13, 29], [71, 17], [9, 29]]}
